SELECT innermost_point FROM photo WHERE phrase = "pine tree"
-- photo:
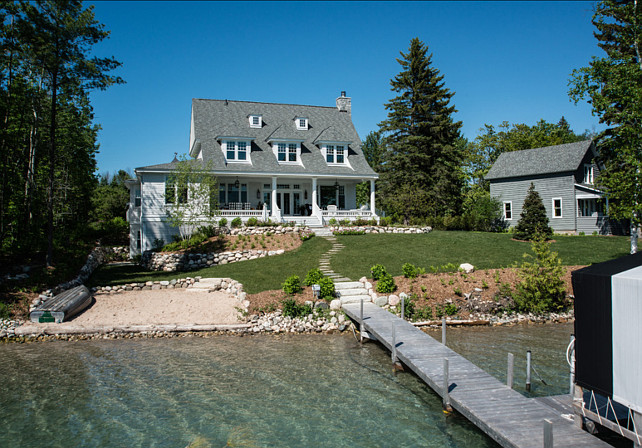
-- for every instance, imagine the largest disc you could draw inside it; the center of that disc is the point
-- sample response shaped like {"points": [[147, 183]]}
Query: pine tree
{"points": [[613, 87], [421, 138], [533, 220]]}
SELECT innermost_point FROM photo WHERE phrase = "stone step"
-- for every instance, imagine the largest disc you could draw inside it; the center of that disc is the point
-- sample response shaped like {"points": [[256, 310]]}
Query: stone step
{"points": [[348, 285], [355, 299], [352, 292]]}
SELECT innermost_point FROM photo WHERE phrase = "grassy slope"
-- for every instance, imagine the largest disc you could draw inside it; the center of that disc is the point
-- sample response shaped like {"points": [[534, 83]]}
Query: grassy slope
{"points": [[483, 250], [256, 275]]}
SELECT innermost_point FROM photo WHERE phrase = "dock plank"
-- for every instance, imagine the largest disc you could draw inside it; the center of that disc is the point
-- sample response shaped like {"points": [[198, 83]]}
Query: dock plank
{"points": [[504, 414]]}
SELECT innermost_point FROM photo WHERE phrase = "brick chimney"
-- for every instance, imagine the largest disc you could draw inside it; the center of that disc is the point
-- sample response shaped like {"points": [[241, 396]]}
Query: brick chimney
{"points": [[344, 103]]}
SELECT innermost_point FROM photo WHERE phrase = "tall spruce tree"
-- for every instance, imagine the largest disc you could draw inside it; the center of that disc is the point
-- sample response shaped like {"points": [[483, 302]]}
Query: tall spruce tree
{"points": [[613, 86], [421, 136], [533, 220]]}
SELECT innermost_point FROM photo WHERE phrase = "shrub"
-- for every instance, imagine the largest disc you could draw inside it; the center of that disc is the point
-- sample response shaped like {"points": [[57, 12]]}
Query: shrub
{"points": [[293, 309], [252, 221], [533, 219], [423, 313], [385, 221], [306, 235], [195, 240], [411, 271], [541, 288], [332, 222], [207, 231], [313, 277], [360, 222], [5, 311], [157, 244], [386, 284], [349, 232], [344, 222], [450, 309], [378, 271], [222, 222], [236, 222], [327, 291], [292, 284], [114, 232]]}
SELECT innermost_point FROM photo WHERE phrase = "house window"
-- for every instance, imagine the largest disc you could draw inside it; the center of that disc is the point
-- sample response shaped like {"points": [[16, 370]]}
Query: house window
{"points": [[301, 123], [557, 207], [138, 240], [283, 186], [287, 152], [340, 158], [236, 151], [590, 207], [335, 154], [508, 210], [137, 199], [329, 153], [588, 174], [342, 197], [173, 191], [256, 121], [231, 193]]}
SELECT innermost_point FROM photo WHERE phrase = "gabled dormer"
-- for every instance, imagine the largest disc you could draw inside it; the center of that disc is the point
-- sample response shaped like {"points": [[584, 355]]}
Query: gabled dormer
{"points": [[301, 123], [333, 146], [236, 149], [256, 121]]}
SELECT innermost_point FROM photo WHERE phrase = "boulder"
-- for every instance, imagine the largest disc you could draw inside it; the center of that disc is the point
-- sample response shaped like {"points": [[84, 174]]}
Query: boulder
{"points": [[467, 268], [335, 304], [393, 300], [381, 301]]}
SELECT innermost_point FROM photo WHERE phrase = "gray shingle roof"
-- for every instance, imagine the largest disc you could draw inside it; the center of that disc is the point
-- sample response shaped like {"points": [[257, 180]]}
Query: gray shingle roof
{"points": [[217, 118], [537, 161]]}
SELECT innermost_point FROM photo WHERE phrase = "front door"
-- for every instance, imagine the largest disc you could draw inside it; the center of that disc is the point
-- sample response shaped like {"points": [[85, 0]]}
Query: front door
{"points": [[286, 204], [297, 203]]}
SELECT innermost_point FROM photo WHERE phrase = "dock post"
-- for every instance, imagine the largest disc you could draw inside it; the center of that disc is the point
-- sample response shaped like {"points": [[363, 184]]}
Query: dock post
{"points": [[548, 433], [445, 396], [509, 374], [443, 330], [394, 345], [528, 371], [361, 323], [403, 308], [572, 380]]}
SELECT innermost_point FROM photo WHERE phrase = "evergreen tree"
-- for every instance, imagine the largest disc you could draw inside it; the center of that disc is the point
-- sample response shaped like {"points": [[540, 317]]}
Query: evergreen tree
{"points": [[613, 86], [421, 138], [533, 220]]}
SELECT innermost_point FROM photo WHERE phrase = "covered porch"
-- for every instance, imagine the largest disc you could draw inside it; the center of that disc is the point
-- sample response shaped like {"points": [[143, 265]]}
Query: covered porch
{"points": [[311, 200]]}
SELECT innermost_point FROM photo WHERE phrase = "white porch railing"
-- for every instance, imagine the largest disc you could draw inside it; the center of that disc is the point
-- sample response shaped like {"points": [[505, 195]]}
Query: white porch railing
{"points": [[240, 213], [346, 213]]}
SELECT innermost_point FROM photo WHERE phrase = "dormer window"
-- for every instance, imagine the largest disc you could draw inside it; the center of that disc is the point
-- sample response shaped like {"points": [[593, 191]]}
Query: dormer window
{"points": [[301, 123], [256, 121], [287, 152], [335, 154], [236, 149]]}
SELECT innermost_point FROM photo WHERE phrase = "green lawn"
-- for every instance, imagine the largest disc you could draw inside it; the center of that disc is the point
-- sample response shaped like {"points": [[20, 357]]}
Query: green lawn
{"points": [[483, 250], [256, 275]]}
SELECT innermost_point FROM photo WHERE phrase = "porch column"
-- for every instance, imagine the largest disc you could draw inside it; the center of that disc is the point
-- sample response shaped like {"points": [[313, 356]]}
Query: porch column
{"points": [[372, 197], [315, 205], [275, 213]]}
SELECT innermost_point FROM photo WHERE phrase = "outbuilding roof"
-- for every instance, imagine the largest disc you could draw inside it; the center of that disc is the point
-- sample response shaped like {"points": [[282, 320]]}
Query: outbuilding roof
{"points": [[213, 119], [537, 161]]}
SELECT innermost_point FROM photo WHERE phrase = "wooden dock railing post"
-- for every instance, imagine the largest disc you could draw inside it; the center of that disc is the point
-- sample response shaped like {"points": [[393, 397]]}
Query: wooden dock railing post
{"points": [[509, 373], [528, 371], [394, 345], [548, 433], [445, 395], [443, 330], [361, 323]]}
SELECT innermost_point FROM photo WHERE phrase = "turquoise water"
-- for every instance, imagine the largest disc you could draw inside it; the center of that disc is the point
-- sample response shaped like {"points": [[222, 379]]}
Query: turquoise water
{"points": [[267, 391], [297, 391]]}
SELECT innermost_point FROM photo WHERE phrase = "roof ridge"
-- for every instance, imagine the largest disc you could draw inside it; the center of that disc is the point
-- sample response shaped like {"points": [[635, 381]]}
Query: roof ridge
{"points": [[263, 102], [547, 147]]}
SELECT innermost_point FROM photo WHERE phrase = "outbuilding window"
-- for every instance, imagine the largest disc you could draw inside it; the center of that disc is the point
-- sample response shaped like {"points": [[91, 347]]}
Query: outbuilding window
{"points": [[557, 207], [508, 210]]}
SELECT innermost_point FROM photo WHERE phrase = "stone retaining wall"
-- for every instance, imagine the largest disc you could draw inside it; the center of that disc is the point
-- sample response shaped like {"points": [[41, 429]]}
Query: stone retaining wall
{"points": [[172, 262], [377, 229], [274, 230]]}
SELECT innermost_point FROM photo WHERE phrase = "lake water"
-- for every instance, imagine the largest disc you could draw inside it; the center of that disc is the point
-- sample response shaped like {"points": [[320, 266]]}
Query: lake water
{"points": [[272, 391]]}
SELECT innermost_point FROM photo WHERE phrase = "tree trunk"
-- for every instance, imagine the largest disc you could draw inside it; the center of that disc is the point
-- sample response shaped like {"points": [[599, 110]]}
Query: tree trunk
{"points": [[52, 169]]}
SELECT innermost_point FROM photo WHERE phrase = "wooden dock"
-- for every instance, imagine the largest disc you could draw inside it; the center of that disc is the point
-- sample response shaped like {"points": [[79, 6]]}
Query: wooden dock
{"points": [[505, 415]]}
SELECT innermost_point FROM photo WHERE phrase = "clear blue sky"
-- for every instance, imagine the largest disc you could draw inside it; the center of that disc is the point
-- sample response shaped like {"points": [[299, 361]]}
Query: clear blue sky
{"points": [[504, 60]]}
